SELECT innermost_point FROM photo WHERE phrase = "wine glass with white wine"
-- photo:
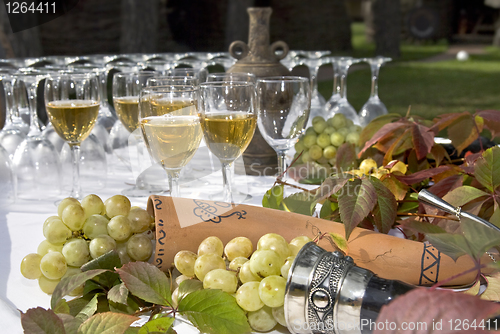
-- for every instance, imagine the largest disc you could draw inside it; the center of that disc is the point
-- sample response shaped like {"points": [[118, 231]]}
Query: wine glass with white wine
{"points": [[72, 102], [168, 116], [228, 120]]}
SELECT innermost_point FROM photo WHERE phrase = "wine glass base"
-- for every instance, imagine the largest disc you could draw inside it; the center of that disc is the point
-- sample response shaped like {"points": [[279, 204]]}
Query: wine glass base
{"points": [[138, 192], [238, 197]]}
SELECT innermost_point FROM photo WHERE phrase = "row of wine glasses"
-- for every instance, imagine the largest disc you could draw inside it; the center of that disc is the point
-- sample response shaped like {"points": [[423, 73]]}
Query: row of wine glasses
{"points": [[338, 103]]}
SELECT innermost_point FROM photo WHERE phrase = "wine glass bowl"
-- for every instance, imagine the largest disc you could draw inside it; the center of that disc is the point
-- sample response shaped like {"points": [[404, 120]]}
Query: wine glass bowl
{"points": [[283, 106], [228, 120]]}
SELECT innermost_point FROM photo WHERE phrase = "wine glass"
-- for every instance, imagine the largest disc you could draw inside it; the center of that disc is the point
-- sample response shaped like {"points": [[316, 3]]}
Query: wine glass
{"points": [[126, 88], [36, 160], [335, 97], [283, 105], [7, 179], [169, 120], [230, 77], [171, 80], [72, 101], [373, 107], [343, 106], [228, 120]]}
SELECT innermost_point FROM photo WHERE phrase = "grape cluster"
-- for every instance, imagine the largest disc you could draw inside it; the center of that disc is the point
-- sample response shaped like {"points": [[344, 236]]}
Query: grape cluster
{"points": [[85, 230], [322, 139], [257, 279], [369, 167]]}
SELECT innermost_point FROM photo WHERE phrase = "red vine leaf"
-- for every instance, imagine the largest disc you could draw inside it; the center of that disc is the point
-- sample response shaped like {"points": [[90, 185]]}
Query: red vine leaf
{"points": [[423, 140], [436, 311], [491, 120], [487, 168], [385, 212], [386, 131], [375, 125], [41, 321], [464, 131], [421, 175], [346, 157]]}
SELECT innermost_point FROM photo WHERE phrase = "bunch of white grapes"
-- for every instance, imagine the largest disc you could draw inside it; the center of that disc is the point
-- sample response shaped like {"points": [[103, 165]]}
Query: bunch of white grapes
{"points": [[256, 279], [85, 230], [323, 138]]}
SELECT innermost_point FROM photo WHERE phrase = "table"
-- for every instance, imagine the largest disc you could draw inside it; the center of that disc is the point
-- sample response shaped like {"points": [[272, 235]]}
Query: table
{"points": [[21, 224]]}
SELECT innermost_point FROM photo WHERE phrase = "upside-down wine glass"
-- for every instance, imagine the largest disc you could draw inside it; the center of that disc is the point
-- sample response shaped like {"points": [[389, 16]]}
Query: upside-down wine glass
{"points": [[168, 116], [373, 107], [335, 97], [72, 102], [283, 105], [36, 160], [313, 61], [228, 120], [343, 106]]}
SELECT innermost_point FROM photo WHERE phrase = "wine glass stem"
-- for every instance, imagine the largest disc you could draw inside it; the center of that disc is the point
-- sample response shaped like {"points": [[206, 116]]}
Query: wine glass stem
{"points": [[375, 68], [227, 182], [173, 183], [343, 78], [281, 164], [34, 124], [313, 70], [76, 191]]}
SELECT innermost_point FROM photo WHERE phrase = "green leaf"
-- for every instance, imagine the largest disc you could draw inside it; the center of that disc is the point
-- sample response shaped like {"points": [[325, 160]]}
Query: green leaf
{"points": [[487, 168], [77, 304], [92, 287], [330, 186], [495, 217], [89, 309], [160, 325], [356, 201], [479, 237], [326, 209], [62, 307], [273, 197], [188, 286], [118, 294], [385, 212], [132, 330], [107, 323], [397, 188], [130, 307], [110, 261], [453, 245], [422, 227], [302, 202], [147, 282], [71, 324], [340, 242], [410, 204], [70, 283], [462, 195], [41, 321], [214, 312]]}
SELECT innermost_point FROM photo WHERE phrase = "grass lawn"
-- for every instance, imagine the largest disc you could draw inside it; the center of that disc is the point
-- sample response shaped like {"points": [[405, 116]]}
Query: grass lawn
{"points": [[431, 88]]}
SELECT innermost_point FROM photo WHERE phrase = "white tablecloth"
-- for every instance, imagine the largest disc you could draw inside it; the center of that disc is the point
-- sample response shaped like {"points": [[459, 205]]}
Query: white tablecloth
{"points": [[21, 226]]}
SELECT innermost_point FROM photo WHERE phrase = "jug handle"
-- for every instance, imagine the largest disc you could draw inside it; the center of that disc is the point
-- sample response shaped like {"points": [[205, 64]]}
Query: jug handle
{"points": [[238, 45], [279, 45]]}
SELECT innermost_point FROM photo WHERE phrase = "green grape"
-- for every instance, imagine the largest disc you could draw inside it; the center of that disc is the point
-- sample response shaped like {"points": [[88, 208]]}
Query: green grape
{"points": [[55, 231], [184, 262], [355, 128], [285, 269], [274, 242], [64, 203], [305, 157], [262, 320], [30, 266], [272, 290], [315, 152], [181, 278], [338, 121], [310, 131], [119, 228], [101, 245], [95, 226], [248, 298], [299, 146], [140, 220], [266, 262], [93, 205], [117, 205], [317, 119], [246, 275], [175, 297], [72, 271], [206, 263], [298, 242], [330, 152], [211, 245], [139, 247], [221, 279], [47, 285], [329, 130], [343, 132], [309, 140], [53, 265], [121, 249], [237, 262], [73, 216], [323, 140], [238, 247], [332, 161], [44, 247], [336, 139], [352, 138], [320, 124], [279, 315], [348, 123], [76, 252]]}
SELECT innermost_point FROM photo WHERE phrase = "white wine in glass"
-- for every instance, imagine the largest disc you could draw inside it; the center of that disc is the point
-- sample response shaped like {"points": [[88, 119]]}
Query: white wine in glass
{"points": [[170, 124]]}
